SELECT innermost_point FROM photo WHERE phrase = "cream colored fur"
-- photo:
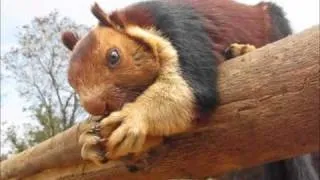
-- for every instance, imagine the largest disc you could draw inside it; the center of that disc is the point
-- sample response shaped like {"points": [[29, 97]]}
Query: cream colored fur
{"points": [[165, 108]]}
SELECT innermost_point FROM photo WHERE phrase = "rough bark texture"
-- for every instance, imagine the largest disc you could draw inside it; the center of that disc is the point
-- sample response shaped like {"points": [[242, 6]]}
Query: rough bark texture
{"points": [[269, 111]]}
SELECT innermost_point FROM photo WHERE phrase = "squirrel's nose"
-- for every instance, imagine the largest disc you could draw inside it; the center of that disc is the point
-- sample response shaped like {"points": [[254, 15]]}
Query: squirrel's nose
{"points": [[94, 106]]}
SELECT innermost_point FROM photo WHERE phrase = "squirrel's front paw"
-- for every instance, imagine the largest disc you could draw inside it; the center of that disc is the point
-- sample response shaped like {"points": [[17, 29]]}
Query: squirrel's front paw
{"points": [[93, 146], [120, 134], [236, 49], [129, 137]]}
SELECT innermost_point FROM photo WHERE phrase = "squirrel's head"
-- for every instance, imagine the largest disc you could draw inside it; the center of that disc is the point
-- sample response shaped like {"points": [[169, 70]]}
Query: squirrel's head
{"points": [[109, 67]]}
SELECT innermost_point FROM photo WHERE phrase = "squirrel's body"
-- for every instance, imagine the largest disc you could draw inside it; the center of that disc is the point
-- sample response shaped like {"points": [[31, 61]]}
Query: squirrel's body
{"points": [[225, 21], [153, 66]]}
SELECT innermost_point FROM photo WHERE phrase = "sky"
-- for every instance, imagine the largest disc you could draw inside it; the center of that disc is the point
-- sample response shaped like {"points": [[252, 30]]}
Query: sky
{"points": [[15, 13]]}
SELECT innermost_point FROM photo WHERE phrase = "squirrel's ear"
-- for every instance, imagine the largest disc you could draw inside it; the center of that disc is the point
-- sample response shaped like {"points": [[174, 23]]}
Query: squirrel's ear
{"points": [[69, 39], [100, 15], [115, 20]]}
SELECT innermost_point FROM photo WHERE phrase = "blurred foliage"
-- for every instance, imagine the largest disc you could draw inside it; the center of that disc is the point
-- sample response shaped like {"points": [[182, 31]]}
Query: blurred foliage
{"points": [[38, 64]]}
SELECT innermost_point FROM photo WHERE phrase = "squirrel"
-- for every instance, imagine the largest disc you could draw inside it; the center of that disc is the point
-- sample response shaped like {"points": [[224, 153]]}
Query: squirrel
{"points": [[151, 67]]}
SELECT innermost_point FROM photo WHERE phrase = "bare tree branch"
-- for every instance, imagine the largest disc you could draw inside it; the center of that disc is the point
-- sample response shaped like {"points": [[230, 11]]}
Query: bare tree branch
{"points": [[74, 109], [38, 64]]}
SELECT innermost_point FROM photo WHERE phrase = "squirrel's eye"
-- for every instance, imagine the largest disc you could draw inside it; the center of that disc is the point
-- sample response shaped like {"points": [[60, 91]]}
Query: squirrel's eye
{"points": [[113, 57]]}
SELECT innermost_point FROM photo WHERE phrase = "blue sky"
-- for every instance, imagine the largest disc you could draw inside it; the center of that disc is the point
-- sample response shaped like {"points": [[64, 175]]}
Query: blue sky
{"points": [[15, 13]]}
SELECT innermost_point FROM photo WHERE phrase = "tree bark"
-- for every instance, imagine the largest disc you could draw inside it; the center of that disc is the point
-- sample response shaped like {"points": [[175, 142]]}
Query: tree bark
{"points": [[269, 111]]}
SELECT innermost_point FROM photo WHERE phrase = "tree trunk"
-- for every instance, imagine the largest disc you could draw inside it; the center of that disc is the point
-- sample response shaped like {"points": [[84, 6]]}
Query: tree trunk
{"points": [[269, 111]]}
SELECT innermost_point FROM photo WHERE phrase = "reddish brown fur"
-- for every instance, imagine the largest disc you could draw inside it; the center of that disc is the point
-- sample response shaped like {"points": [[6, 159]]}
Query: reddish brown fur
{"points": [[232, 22], [69, 39], [100, 87], [100, 15]]}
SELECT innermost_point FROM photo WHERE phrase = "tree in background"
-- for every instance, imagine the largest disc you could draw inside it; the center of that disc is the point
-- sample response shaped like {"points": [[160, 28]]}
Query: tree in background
{"points": [[38, 64]]}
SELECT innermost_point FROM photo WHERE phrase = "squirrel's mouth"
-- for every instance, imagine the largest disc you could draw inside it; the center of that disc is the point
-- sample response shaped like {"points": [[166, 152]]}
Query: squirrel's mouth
{"points": [[112, 103], [106, 114], [94, 118], [107, 110]]}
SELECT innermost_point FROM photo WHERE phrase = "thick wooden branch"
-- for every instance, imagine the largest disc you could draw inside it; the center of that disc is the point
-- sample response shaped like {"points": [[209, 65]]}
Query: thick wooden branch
{"points": [[269, 111]]}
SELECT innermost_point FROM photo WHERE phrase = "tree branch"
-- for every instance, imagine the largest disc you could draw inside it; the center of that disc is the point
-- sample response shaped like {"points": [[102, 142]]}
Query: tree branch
{"points": [[74, 109], [61, 106], [67, 101], [269, 111], [42, 96]]}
